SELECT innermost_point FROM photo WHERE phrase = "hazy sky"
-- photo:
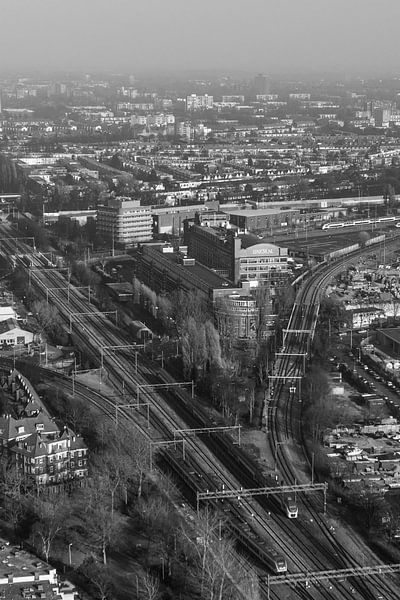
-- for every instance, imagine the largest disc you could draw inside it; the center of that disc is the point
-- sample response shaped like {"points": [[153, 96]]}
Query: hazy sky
{"points": [[251, 35]]}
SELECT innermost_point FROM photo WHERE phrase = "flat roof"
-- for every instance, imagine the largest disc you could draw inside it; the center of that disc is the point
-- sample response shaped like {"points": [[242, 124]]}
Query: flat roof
{"points": [[256, 212], [208, 276], [393, 333], [21, 564], [320, 243]]}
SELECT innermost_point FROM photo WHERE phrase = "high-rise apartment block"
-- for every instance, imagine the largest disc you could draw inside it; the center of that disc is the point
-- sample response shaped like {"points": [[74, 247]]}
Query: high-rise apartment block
{"points": [[195, 102], [261, 84]]}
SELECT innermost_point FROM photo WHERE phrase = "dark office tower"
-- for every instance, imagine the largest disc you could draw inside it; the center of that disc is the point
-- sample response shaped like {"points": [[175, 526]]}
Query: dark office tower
{"points": [[260, 85]]}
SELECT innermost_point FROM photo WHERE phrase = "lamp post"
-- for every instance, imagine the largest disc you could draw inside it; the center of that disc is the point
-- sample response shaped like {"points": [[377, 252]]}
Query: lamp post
{"points": [[69, 553]]}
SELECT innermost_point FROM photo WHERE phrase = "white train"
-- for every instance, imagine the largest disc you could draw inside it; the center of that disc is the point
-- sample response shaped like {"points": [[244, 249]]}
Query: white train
{"points": [[359, 222], [290, 507]]}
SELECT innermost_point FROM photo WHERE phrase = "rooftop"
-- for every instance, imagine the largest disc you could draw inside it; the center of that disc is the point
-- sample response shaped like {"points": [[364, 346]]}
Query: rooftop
{"points": [[392, 333], [19, 566], [254, 212]]}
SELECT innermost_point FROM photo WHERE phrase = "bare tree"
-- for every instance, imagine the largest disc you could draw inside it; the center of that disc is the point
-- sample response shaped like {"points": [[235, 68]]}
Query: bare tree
{"points": [[194, 351], [100, 523], [99, 576], [151, 586], [48, 317], [213, 346], [13, 485], [51, 515], [139, 457], [213, 562]]}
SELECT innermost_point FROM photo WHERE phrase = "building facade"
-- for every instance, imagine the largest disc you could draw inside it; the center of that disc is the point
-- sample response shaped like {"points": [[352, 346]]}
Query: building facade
{"points": [[11, 334], [195, 102], [124, 222], [240, 318], [33, 442], [265, 220], [164, 270], [231, 256]]}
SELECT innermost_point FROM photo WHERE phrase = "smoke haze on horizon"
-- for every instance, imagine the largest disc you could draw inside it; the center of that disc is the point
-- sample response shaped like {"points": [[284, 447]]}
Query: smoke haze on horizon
{"points": [[257, 35]]}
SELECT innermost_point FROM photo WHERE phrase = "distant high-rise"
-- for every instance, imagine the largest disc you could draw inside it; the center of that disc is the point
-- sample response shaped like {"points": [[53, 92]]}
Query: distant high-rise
{"points": [[260, 85], [195, 102]]}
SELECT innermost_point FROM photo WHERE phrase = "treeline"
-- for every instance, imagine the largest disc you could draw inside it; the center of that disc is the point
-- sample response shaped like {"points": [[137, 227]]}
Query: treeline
{"points": [[125, 511], [9, 182]]}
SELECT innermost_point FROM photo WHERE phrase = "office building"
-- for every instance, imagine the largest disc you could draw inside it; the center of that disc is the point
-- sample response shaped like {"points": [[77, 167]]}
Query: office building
{"points": [[239, 258], [124, 222], [164, 270]]}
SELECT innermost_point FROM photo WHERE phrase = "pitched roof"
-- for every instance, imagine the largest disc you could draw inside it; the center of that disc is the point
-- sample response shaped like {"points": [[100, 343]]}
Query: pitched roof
{"points": [[8, 325], [11, 428]]}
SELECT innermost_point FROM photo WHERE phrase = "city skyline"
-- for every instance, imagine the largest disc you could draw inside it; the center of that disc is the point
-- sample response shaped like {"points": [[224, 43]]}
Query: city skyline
{"points": [[305, 36]]}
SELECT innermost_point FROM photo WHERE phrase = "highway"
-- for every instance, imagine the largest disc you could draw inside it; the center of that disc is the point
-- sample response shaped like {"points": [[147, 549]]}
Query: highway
{"points": [[215, 458]]}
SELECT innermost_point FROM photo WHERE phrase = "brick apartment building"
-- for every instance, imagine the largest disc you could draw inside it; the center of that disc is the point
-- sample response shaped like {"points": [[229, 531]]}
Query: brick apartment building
{"points": [[33, 442], [239, 258]]}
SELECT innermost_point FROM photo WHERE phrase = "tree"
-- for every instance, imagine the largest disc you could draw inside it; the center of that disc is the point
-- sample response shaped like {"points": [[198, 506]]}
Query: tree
{"points": [[371, 503], [48, 318], [213, 563], [84, 275], [151, 586], [284, 299], [186, 305], [213, 346], [13, 485], [160, 517], [19, 284], [319, 410], [194, 350], [99, 576], [395, 308], [100, 524], [363, 236], [332, 314], [164, 313], [51, 515]]}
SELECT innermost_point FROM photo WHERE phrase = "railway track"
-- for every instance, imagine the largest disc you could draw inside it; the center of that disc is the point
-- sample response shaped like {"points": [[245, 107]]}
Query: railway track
{"points": [[204, 455], [288, 411]]}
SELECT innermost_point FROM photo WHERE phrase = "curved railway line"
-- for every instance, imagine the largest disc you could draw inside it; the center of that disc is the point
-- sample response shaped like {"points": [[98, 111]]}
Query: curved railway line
{"points": [[288, 405], [216, 456]]}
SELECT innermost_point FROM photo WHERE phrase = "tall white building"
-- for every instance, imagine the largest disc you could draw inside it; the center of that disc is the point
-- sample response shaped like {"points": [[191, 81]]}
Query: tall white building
{"points": [[124, 222], [195, 102]]}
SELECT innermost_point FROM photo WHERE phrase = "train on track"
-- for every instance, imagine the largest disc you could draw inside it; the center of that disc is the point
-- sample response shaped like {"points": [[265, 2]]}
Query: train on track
{"points": [[290, 507], [360, 222]]}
